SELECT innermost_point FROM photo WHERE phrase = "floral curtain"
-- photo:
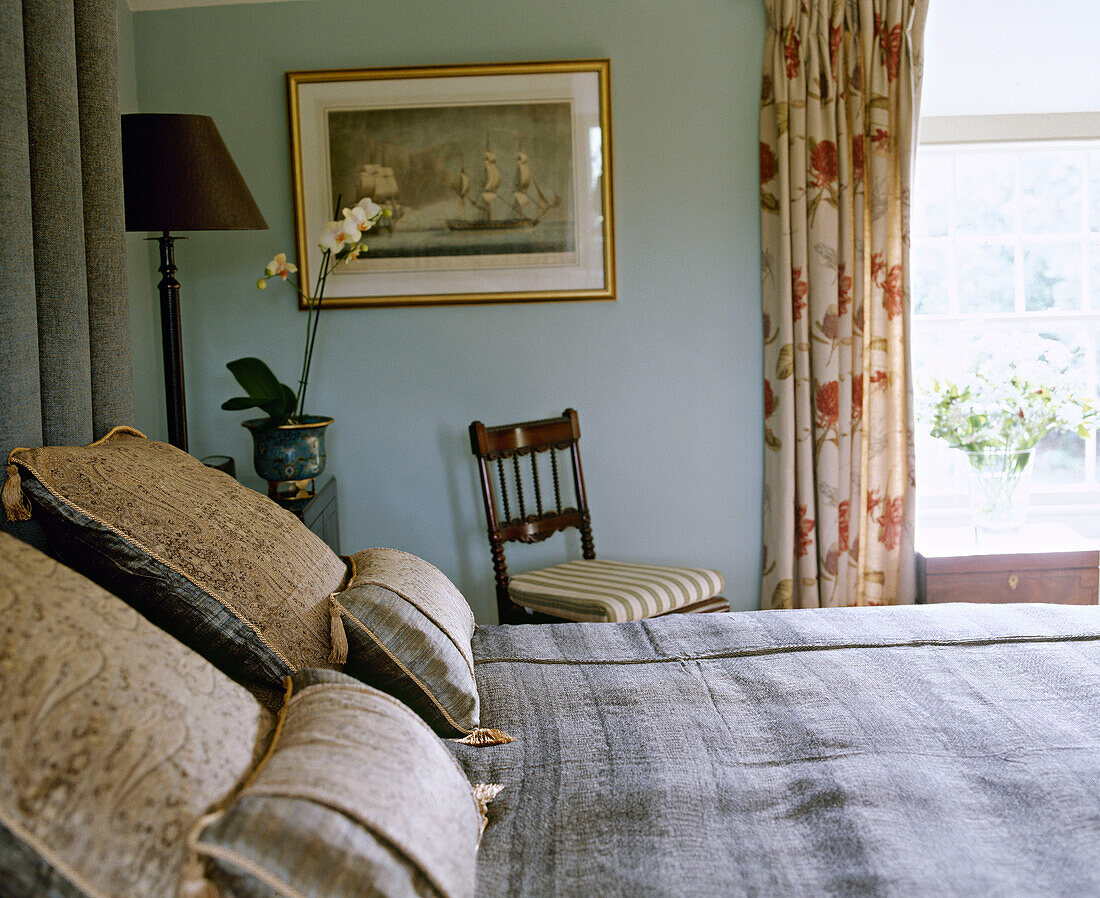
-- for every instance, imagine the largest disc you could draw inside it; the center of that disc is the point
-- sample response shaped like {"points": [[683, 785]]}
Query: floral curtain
{"points": [[837, 135]]}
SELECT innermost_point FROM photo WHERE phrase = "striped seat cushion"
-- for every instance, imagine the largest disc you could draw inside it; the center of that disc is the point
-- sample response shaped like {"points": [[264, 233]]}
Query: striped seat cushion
{"points": [[598, 590], [707, 606]]}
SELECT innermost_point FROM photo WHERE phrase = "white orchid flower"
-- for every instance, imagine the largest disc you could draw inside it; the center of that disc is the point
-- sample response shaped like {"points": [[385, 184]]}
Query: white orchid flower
{"points": [[280, 267], [355, 214], [365, 213], [339, 233]]}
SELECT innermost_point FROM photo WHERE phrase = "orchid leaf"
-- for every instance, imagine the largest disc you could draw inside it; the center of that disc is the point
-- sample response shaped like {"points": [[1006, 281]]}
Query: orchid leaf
{"points": [[256, 378], [264, 389], [239, 402], [284, 406]]}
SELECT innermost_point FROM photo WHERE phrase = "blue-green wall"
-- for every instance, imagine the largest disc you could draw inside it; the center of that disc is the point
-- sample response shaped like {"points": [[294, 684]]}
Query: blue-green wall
{"points": [[666, 379]]}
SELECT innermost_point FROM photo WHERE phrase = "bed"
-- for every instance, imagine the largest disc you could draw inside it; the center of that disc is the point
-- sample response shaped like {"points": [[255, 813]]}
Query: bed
{"points": [[943, 750], [931, 750]]}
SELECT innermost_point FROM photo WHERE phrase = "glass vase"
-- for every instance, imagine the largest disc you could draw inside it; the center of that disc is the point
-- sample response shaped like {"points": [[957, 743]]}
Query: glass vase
{"points": [[1000, 481]]}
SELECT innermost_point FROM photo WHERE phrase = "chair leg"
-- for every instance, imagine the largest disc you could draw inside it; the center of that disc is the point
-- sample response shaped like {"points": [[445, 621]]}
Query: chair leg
{"points": [[508, 612]]}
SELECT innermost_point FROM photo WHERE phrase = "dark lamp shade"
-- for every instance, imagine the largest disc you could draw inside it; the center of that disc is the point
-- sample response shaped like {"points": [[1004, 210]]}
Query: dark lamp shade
{"points": [[179, 176]]}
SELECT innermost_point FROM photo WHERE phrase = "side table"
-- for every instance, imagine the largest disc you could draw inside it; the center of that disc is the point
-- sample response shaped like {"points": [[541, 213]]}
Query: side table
{"points": [[319, 512], [1042, 563]]}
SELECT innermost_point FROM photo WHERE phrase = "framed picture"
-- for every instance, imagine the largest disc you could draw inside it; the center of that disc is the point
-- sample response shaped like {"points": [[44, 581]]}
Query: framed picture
{"points": [[496, 180]]}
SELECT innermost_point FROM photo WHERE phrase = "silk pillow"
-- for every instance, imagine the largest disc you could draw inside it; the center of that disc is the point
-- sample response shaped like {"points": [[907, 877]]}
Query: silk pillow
{"points": [[357, 797], [408, 631]]}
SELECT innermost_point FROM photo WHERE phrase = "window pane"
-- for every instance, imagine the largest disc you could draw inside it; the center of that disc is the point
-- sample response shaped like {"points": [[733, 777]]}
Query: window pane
{"points": [[1094, 188], [986, 278], [1051, 191], [1059, 458], [1060, 455], [1004, 263], [938, 347], [1052, 276], [1074, 358], [949, 349], [929, 284], [941, 470], [931, 195], [985, 186], [1094, 256]]}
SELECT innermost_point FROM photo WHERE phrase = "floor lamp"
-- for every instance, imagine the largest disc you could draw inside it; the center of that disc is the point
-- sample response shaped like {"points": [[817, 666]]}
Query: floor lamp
{"points": [[179, 176]]}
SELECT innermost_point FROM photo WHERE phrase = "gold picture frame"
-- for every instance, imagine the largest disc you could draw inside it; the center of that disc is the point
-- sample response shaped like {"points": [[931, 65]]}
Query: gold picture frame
{"points": [[497, 178]]}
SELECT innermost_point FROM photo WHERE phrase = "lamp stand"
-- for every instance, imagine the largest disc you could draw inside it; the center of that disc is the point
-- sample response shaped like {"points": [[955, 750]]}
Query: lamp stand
{"points": [[172, 342]]}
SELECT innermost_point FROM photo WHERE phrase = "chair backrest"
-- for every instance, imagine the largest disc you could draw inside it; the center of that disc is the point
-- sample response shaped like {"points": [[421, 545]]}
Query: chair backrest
{"points": [[511, 463]]}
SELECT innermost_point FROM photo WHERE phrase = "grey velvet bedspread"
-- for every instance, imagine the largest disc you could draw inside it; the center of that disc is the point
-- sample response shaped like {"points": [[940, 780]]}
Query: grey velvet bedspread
{"points": [[935, 750]]}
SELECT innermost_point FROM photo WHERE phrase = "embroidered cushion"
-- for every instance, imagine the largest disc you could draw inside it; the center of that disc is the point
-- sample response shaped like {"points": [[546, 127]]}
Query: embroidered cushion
{"points": [[359, 797], [598, 590], [219, 566], [113, 738], [408, 632]]}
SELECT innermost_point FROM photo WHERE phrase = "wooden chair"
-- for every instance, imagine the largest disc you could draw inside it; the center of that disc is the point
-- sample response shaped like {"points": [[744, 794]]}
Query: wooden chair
{"points": [[512, 458]]}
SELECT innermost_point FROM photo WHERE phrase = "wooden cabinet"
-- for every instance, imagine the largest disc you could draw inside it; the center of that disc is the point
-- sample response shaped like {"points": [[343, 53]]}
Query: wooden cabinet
{"points": [[1043, 563]]}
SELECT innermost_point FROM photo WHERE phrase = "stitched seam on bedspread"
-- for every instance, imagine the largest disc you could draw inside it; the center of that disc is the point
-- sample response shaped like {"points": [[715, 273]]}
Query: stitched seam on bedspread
{"points": [[820, 647]]}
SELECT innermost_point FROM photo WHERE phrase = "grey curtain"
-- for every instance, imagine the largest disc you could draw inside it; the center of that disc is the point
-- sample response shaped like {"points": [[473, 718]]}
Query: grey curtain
{"points": [[65, 372]]}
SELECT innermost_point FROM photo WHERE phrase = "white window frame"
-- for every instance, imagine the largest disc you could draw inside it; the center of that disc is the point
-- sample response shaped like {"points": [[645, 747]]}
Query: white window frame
{"points": [[1073, 504]]}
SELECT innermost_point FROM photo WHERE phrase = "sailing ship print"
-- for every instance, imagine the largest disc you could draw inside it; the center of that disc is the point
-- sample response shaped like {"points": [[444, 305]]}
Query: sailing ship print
{"points": [[522, 207], [379, 182], [464, 186]]}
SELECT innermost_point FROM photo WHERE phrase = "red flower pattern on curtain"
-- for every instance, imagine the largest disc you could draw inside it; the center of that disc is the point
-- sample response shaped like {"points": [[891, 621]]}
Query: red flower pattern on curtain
{"points": [[836, 141], [823, 163]]}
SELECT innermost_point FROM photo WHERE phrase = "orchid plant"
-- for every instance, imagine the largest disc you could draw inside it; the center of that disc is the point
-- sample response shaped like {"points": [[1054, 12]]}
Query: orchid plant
{"points": [[341, 241]]}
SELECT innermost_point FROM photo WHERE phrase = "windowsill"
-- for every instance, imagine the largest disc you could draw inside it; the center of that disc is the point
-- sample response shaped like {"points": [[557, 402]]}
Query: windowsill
{"points": [[1032, 538], [1082, 517]]}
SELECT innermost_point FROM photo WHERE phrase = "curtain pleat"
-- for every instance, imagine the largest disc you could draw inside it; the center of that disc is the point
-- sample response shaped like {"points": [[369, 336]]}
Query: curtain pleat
{"points": [[53, 126], [65, 370], [104, 214], [20, 407]]}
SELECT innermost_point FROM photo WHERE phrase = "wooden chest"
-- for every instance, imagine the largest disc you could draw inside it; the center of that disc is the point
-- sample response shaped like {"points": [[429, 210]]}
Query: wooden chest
{"points": [[1043, 563]]}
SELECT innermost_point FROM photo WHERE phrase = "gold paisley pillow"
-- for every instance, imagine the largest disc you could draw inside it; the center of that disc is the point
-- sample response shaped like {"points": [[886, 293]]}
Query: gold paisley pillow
{"points": [[219, 566], [113, 739]]}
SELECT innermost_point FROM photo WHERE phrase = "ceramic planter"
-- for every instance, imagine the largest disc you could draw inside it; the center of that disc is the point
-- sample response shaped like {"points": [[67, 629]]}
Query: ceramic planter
{"points": [[288, 453]]}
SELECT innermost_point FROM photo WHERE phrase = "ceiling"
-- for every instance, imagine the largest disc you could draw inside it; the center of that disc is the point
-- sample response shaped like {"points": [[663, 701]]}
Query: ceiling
{"points": [[148, 5]]}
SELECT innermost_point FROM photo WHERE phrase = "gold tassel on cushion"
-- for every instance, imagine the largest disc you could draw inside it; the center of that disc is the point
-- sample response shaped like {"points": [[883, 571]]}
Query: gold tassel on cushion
{"points": [[483, 794], [193, 882], [338, 639], [15, 503], [486, 736]]}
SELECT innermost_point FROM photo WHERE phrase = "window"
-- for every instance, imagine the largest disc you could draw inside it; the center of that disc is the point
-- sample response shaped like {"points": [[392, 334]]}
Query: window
{"points": [[1006, 247]]}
